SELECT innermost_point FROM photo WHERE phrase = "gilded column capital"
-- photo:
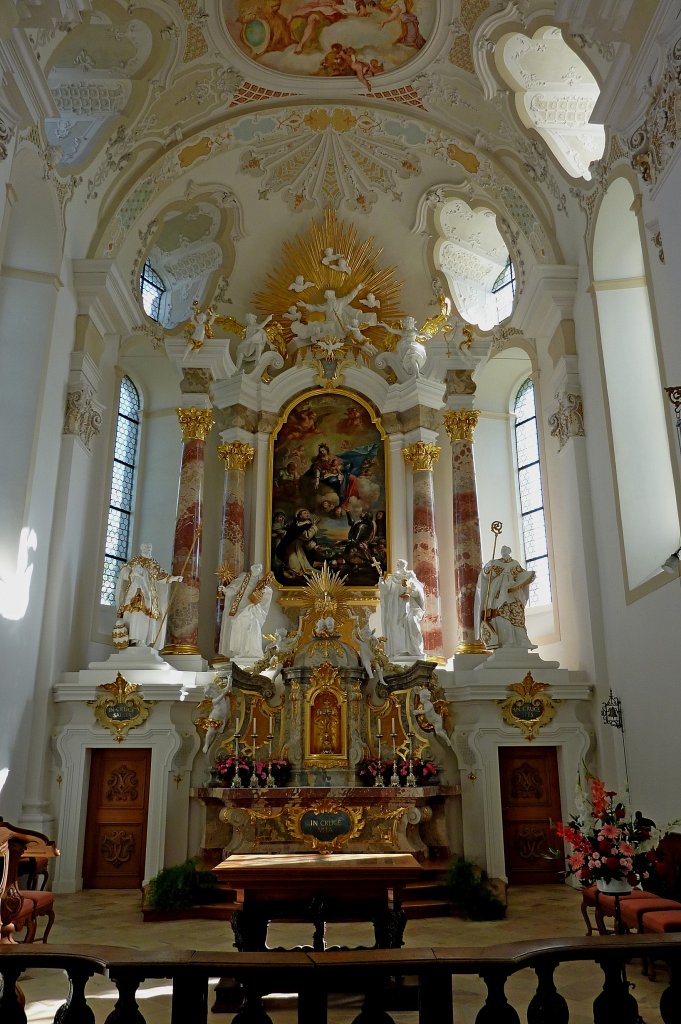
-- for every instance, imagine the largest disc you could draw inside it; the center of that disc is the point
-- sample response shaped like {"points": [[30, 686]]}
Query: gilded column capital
{"points": [[195, 423], [460, 423], [421, 455], [236, 454]]}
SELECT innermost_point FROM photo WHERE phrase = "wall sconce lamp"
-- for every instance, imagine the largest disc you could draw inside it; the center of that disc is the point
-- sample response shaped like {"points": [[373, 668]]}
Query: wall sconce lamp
{"points": [[674, 396], [611, 711], [672, 564]]}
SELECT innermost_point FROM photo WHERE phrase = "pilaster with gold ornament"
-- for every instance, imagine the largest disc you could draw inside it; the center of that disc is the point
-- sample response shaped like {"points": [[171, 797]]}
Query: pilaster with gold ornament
{"points": [[236, 457], [460, 424], [183, 617], [421, 456]]}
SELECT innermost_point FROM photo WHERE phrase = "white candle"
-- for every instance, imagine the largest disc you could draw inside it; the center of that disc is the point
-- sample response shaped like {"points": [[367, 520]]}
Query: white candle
{"points": [[378, 731], [393, 728], [237, 724], [271, 729], [254, 725]]}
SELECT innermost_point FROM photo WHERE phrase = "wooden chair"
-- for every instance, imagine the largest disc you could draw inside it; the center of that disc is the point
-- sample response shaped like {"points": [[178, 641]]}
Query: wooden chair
{"points": [[21, 909]]}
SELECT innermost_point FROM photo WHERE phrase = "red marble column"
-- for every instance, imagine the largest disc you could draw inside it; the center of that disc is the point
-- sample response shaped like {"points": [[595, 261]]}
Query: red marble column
{"points": [[425, 561], [460, 424], [236, 456], [183, 617]]}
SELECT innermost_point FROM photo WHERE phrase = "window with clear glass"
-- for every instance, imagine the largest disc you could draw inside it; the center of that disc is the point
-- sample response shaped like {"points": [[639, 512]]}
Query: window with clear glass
{"points": [[152, 290], [533, 521], [117, 547], [503, 291]]}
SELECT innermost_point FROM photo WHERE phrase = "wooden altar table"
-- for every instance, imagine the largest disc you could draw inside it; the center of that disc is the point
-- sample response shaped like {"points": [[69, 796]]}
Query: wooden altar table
{"points": [[318, 888]]}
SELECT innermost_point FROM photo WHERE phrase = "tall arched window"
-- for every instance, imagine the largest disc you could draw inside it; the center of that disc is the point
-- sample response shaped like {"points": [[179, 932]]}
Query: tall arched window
{"points": [[117, 546], [532, 518]]}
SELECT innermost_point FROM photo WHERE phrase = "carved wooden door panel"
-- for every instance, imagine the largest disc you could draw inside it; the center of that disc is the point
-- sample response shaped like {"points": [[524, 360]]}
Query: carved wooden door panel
{"points": [[530, 800], [116, 827]]}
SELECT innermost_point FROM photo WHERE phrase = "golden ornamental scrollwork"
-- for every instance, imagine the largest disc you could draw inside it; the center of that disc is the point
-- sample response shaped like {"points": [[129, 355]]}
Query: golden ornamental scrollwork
{"points": [[121, 707], [421, 455], [528, 707], [195, 423], [236, 454], [326, 720], [460, 423]]}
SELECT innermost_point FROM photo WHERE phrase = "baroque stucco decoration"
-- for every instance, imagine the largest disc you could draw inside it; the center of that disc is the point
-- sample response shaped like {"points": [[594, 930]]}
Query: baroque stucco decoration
{"points": [[654, 141]]}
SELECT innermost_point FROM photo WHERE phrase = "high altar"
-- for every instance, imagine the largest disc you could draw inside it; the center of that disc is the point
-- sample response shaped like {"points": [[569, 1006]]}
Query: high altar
{"points": [[325, 406]]}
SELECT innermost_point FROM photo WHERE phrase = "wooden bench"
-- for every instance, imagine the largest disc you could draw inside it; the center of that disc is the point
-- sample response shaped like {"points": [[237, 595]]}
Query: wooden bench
{"points": [[21, 908]]}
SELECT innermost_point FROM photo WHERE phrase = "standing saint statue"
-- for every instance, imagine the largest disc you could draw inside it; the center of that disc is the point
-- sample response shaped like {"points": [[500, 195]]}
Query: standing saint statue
{"points": [[247, 602], [502, 592], [142, 595], [403, 604]]}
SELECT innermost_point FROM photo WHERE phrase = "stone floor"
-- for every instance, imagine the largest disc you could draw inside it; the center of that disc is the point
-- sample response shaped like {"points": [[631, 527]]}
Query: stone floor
{"points": [[110, 917]]}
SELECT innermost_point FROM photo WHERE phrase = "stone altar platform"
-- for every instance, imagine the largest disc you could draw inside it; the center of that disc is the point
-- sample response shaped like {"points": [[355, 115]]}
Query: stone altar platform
{"points": [[327, 820]]}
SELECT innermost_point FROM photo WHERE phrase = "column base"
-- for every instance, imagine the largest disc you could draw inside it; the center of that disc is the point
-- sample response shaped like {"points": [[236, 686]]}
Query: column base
{"points": [[477, 647], [180, 649]]}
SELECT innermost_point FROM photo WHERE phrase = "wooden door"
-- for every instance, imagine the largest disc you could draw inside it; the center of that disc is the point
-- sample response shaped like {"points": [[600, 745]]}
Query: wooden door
{"points": [[530, 801], [116, 824]]}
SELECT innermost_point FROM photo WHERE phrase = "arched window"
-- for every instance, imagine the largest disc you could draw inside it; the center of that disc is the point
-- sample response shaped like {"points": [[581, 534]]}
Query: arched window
{"points": [[117, 546], [152, 290], [532, 518], [503, 291]]}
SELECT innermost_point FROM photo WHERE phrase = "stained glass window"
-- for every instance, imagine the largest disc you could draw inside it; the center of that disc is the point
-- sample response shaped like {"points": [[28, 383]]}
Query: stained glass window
{"points": [[533, 522], [152, 290], [117, 546]]}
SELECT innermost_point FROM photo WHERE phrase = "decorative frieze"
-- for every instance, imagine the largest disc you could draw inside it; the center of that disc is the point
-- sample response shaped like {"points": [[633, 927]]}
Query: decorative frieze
{"points": [[6, 133], [568, 419], [421, 455], [460, 423], [195, 423]]}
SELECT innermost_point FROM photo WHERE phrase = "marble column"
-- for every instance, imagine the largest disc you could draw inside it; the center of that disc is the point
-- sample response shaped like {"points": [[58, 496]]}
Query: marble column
{"points": [[236, 456], [183, 617], [421, 456], [460, 424]]}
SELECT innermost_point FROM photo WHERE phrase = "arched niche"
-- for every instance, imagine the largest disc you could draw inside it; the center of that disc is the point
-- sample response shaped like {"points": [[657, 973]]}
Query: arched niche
{"points": [[647, 507]]}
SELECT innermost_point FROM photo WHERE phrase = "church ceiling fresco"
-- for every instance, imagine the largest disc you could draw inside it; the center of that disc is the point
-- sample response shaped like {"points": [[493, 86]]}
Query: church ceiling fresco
{"points": [[332, 38]]}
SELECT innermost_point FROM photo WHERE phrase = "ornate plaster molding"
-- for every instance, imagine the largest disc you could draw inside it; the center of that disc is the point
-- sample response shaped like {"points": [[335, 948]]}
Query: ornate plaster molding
{"points": [[654, 141], [83, 414], [568, 419]]}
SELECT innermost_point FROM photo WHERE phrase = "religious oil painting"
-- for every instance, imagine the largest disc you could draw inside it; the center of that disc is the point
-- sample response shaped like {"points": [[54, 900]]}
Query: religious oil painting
{"points": [[351, 38], [328, 492]]}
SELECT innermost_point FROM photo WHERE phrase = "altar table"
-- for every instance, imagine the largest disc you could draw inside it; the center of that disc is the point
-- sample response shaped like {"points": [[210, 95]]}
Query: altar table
{"points": [[318, 888]]}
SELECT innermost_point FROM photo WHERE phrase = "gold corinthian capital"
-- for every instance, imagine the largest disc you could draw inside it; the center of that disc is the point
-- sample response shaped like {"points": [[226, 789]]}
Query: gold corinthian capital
{"points": [[195, 423], [421, 455], [460, 424], [236, 454]]}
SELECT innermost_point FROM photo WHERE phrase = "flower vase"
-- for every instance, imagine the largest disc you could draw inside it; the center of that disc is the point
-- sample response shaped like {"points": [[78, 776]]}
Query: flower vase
{"points": [[614, 887]]}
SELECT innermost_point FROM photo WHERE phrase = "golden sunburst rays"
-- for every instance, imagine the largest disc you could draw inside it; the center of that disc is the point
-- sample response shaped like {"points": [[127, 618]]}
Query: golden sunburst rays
{"points": [[302, 258], [325, 595]]}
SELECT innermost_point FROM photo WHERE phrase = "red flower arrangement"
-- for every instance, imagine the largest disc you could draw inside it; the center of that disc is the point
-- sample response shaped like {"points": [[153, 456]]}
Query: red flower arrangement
{"points": [[227, 765], [425, 772], [607, 843]]}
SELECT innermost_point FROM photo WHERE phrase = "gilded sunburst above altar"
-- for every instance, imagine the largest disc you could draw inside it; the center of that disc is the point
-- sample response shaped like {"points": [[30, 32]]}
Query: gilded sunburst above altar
{"points": [[331, 257]]}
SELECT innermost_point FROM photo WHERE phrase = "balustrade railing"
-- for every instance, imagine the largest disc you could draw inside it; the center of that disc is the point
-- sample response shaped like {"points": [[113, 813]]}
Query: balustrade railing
{"points": [[370, 972]]}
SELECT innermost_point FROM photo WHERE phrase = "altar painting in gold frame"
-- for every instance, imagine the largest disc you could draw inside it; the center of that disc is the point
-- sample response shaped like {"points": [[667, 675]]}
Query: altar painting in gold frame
{"points": [[328, 493]]}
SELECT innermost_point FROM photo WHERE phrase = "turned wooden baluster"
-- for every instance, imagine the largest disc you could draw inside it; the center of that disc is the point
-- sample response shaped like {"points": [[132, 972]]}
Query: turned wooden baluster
{"points": [[190, 998], [497, 1009], [11, 1006], [615, 1002], [670, 1000], [76, 1010], [126, 1010], [547, 1005]]}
